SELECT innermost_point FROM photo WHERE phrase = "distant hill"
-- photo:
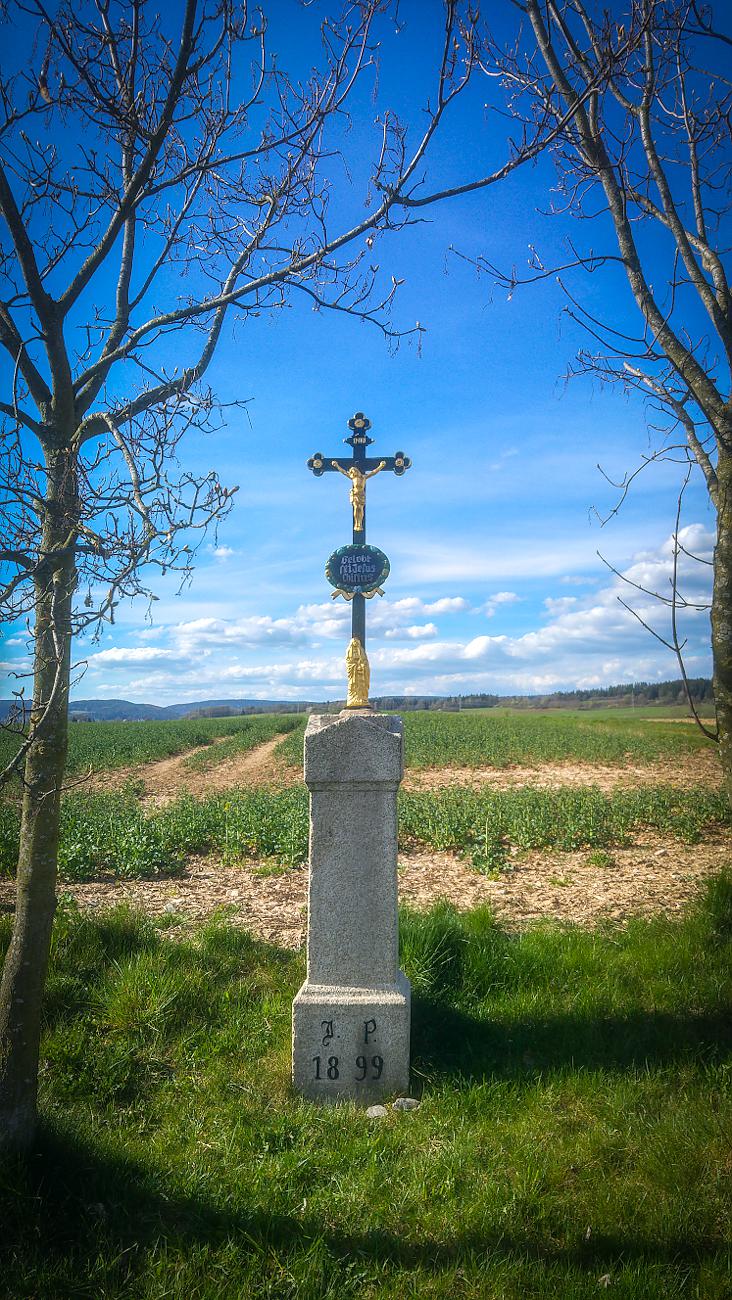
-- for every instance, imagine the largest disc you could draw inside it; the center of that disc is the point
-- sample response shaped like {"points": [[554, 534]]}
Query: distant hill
{"points": [[640, 694], [127, 711]]}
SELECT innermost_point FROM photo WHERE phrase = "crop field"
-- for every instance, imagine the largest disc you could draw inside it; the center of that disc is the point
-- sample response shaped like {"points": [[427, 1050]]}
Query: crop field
{"points": [[101, 746], [113, 833], [231, 789], [498, 738], [502, 737], [474, 738]]}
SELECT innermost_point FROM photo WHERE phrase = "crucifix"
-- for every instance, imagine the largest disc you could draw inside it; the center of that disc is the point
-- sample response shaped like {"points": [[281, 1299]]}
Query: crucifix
{"points": [[356, 571]]}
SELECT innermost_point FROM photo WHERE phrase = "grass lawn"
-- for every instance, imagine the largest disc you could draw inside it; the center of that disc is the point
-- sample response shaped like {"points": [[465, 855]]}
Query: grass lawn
{"points": [[574, 1133]]}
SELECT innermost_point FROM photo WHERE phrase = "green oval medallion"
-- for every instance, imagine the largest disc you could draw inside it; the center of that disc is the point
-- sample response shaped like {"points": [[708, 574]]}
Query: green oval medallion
{"points": [[357, 568]]}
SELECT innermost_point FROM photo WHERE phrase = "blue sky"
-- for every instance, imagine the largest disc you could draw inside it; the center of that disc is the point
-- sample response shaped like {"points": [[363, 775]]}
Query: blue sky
{"points": [[495, 582]]}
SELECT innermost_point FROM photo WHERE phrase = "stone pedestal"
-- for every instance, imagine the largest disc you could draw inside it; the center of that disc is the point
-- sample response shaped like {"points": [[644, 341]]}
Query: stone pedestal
{"points": [[350, 1019]]}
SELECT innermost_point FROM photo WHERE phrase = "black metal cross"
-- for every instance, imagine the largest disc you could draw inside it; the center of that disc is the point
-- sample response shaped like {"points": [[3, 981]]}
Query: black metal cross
{"points": [[358, 467]]}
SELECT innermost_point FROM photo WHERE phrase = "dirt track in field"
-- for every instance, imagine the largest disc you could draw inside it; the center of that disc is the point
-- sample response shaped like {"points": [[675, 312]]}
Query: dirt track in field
{"points": [[167, 778]]}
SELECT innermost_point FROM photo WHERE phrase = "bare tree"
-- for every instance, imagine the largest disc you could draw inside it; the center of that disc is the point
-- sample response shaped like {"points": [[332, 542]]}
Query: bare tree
{"points": [[153, 185], [643, 157], [673, 601]]}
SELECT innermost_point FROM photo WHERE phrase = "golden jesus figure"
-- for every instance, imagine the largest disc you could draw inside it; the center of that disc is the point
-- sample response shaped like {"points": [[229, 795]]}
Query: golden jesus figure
{"points": [[357, 495]]}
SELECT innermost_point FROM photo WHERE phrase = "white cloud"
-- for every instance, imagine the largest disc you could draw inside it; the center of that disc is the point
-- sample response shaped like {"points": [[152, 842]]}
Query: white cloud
{"points": [[313, 623], [499, 464], [11, 665], [418, 645], [484, 561], [559, 604], [417, 632], [251, 631], [310, 670], [131, 655], [594, 639], [500, 598], [445, 605], [152, 633]]}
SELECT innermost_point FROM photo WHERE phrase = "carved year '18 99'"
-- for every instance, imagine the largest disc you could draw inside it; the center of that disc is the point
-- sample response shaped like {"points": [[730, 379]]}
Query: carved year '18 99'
{"points": [[331, 1067]]}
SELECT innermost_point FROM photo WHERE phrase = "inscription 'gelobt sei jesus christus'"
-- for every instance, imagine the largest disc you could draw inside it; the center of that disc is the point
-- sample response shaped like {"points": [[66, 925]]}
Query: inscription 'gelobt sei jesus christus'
{"points": [[357, 566], [355, 570]]}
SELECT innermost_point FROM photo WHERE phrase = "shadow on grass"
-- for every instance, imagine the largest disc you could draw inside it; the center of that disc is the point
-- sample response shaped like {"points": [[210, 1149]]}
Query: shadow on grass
{"points": [[72, 1217], [448, 1042]]}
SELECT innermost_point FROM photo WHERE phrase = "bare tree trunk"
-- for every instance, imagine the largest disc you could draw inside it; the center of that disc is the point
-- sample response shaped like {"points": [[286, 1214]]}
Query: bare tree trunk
{"points": [[24, 973], [722, 613]]}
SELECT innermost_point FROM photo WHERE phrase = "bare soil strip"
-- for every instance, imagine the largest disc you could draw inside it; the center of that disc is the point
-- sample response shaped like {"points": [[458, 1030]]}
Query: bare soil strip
{"points": [[649, 878], [702, 768], [687, 722], [656, 877]]}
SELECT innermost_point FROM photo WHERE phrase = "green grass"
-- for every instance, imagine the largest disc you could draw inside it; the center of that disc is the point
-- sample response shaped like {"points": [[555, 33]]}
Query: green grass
{"points": [[290, 749], [111, 833], [486, 823], [474, 738], [705, 710], [575, 1122]]}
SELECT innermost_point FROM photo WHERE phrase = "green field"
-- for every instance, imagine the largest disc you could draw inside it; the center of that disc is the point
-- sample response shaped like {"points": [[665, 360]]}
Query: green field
{"points": [[101, 745], [111, 833], [474, 738], [576, 1086], [501, 737], [574, 1132]]}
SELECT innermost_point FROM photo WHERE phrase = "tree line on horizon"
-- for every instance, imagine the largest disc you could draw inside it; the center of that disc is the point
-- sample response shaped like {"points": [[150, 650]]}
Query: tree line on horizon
{"points": [[621, 696]]}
